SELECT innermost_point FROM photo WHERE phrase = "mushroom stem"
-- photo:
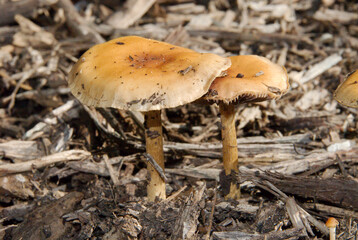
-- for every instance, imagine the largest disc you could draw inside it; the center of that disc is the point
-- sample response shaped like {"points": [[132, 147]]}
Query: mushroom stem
{"points": [[154, 146], [230, 152], [332, 233]]}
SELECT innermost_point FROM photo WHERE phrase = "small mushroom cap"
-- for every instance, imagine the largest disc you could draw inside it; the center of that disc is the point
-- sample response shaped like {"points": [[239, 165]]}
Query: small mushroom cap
{"points": [[332, 222], [135, 73], [250, 78], [347, 92]]}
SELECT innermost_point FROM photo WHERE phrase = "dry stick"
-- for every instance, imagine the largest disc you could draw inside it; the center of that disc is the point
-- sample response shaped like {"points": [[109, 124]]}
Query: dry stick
{"points": [[186, 224], [268, 186], [106, 113], [25, 77], [294, 215], [341, 166], [112, 173], [92, 115], [135, 9], [71, 155], [207, 237], [174, 195], [154, 146], [230, 152], [76, 23], [26, 8], [246, 36], [156, 166]]}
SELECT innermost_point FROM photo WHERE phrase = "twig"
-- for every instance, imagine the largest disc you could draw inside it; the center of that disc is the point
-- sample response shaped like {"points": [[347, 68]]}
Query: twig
{"points": [[245, 36], [281, 195], [186, 224], [112, 121], [135, 9], [92, 115], [71, 155], [112, 173], [25, 77], [207, 237], [155, 165], [174, 195], [320, 68], [77, 24], [3, 229], [100, 168], [341, 166]]}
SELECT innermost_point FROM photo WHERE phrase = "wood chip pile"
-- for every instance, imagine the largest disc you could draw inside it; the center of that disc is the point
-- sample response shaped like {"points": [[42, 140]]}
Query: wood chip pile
{"points": [[68, 171]]}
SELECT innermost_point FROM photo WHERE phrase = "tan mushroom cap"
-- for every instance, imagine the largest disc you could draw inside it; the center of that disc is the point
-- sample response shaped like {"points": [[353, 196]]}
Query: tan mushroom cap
{"points": [[141, 74], [347, 92], [332, 222], [250, 78]]}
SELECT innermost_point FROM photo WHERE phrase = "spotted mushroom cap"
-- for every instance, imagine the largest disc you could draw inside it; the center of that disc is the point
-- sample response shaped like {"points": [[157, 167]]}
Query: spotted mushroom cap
{"points": [[347, 92], [135, 73], [250, 78]]}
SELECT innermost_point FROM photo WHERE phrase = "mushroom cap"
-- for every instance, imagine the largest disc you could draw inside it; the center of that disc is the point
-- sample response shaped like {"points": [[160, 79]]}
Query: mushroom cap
{"points": [[332, 222], [347, 92], [135, 73], [250, 78]]}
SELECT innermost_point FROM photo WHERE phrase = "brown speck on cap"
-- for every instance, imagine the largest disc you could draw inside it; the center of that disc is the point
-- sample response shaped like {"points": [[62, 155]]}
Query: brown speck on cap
{"points": [[239, 75], [347, 92], [163, 66], [249, 84]]}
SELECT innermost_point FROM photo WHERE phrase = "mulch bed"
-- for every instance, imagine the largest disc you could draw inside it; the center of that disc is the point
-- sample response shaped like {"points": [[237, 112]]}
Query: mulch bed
{"points": [[298, 155]]}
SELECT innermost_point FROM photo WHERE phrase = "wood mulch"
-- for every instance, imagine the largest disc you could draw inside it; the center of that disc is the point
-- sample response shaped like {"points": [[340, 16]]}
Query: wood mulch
{"points": [[72, 172]]}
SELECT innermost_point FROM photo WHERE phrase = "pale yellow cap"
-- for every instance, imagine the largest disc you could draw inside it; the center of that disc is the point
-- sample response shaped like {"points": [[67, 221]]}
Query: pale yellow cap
{"points": [[141, 74], [347, 92], [250, 78]]}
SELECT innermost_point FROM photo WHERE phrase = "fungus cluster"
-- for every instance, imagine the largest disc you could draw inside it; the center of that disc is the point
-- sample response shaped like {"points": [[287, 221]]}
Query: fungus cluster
{"points": [[134, 73]]}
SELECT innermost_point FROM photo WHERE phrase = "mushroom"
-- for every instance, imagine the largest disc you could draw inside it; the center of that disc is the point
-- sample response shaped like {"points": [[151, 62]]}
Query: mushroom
{"points": [[347, 92], [249, 79], [134, 73], [332, 224]]}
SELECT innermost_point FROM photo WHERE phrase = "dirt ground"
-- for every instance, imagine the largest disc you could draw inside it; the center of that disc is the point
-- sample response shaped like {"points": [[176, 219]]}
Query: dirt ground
{"points": [[68, 171]]}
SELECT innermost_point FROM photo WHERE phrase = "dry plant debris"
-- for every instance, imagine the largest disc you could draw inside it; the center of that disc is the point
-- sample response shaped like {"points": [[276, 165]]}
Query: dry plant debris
{"points": [[68, 171]]}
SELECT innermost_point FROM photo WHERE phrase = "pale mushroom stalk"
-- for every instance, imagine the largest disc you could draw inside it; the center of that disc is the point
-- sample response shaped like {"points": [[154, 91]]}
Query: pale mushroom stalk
{"points": [[332, 233], [154, 146], [230, 152]]}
